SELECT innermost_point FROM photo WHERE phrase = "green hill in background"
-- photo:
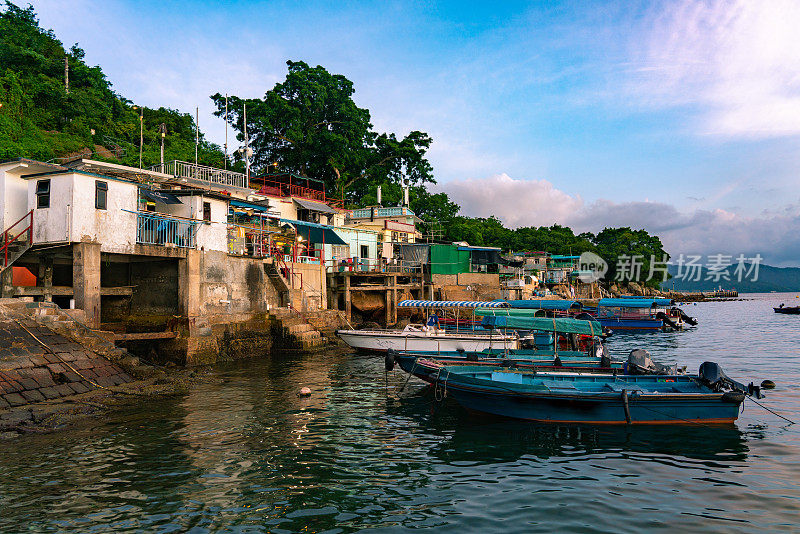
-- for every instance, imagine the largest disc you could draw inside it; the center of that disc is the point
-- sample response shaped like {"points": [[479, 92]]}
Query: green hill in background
{"points": [[44, 118], [780, 279]]}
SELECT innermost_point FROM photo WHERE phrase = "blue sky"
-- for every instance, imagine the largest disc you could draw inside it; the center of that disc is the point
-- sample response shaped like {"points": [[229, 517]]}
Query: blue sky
{"points": [[679, 117]]}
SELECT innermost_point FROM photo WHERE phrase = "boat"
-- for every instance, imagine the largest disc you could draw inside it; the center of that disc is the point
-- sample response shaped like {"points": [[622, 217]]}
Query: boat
{"points": [[641, 313], [710, 397], [424, 365], [430, 336], [787, 310]]}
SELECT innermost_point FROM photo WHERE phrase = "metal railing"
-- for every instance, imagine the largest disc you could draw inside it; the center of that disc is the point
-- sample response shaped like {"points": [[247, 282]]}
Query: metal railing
{"points": [[183, 169], [246, 240], [160, 229], [365, 213], [13, 233]]}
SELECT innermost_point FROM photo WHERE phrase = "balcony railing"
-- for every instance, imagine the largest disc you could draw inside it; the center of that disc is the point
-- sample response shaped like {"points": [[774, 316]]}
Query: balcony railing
{"points": [[251, 241], [165, 230], [182, 169], [395, 211]]}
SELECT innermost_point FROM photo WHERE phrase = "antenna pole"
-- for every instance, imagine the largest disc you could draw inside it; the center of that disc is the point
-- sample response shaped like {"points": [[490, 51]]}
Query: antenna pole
{"points": [[66, 74], [196, 137], [226, 131]]}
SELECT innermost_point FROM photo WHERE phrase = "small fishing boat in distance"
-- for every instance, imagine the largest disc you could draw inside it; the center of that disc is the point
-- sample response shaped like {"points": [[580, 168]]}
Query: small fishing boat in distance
{"points": [[787, 310], [708, 397]]}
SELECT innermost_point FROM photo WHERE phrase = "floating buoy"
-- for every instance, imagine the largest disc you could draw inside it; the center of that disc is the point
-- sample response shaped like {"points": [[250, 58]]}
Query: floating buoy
{"points": [[304, 392], [768, 384]]}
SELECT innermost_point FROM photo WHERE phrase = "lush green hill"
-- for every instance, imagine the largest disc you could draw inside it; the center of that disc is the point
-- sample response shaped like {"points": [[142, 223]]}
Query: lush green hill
{"points": [[41, 118], [781, 279]]}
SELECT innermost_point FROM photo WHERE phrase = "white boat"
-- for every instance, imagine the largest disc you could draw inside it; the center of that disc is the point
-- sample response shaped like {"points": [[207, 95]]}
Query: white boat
{"points": [[417, 337]]}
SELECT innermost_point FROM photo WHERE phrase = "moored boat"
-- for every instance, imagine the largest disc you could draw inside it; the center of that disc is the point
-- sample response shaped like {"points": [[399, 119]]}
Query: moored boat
{"points": [[430, 337], [787, 310], [708, 397]]}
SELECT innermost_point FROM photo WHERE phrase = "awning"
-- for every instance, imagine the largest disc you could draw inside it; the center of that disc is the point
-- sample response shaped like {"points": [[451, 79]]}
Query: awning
{"points": [[545, 324], [315, 233], [633, 303], [546, 304], [159, 196], [450, 304], [314, 206], [253, 206], [661, 301]]}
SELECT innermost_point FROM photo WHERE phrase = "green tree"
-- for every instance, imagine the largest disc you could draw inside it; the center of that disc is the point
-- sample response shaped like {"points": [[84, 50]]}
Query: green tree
{"points": [[617, 244], [309, 124]]}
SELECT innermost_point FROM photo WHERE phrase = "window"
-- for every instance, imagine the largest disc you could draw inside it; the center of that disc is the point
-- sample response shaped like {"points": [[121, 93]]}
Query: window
{"points": [[43, 194], [100, 194], [364, 251], [207, 211]]}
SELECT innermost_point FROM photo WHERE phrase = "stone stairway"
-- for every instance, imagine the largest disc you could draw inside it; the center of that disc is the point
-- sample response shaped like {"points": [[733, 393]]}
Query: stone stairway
{"points": [[295, 331]]}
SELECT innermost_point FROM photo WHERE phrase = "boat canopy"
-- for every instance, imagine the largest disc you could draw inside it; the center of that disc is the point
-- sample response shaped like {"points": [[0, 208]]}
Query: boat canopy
{"points": [[544, 324], [633, 303], [451, 304], [508, 312], [551, 304], [661, 301]]}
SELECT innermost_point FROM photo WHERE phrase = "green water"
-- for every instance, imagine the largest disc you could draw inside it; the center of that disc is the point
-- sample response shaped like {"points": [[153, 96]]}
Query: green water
{"points": [[244, 453]]}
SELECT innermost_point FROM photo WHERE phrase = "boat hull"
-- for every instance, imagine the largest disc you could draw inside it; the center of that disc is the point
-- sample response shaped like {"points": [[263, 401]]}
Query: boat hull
{"points": [[375, 341], [794, 310], [575, 409], [616, 323], [428, 369]]}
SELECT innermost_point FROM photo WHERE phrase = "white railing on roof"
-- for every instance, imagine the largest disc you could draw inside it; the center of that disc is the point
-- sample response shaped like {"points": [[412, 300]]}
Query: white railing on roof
{"points": [[395, 211], [183, 169]]}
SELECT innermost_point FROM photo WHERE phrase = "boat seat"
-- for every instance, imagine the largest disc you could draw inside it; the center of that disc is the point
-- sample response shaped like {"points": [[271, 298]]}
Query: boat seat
{"points": [[619, 387], [557, 384]]}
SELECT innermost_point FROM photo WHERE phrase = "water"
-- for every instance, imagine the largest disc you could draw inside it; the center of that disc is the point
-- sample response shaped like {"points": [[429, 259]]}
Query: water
{"points": [[245, 454]]}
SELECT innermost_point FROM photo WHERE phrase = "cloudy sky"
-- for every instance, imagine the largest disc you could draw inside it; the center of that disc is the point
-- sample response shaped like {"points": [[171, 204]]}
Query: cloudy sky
{"points": [[679, 117]]}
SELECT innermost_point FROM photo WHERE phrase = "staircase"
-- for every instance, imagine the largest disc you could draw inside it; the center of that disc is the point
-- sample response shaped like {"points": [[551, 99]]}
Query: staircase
{"points": [[295, 331], [16, 240]]}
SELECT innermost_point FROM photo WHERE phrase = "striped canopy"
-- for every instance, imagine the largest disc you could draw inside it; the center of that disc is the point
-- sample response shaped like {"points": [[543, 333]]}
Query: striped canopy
{"points": [[451, 304]]}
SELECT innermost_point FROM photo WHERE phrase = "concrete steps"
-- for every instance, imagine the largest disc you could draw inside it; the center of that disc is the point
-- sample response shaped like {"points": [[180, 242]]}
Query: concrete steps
{"points": [[295, 331]]}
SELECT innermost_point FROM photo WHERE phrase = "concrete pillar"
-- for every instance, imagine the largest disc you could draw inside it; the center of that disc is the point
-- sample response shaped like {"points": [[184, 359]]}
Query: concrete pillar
{"points": [[394, 299], [86, 280], [348, 307], [45, 276], [7, 283], [189, 284]]}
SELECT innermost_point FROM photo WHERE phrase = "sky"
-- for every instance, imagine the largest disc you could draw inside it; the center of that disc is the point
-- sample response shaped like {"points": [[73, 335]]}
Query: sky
{"points": [[679, 117]]}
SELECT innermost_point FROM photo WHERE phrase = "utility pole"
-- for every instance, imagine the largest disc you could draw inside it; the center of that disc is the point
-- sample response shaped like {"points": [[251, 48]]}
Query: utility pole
{"points": [[141, 134], [66, 74], [163, 129], [246, 146], [226, 131], [196, 136]]}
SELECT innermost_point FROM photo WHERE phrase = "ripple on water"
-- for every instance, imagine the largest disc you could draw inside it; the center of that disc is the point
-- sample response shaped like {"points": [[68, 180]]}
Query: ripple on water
{"points": [[249, 455]]}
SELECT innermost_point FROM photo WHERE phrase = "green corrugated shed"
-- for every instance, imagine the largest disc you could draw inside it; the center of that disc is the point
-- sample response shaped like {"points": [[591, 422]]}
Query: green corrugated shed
{"points": [[447, 259]]}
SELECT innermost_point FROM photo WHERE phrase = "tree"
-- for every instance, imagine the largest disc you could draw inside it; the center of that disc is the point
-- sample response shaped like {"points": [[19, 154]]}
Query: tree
{"points": [[310, 125], [616, 244]]}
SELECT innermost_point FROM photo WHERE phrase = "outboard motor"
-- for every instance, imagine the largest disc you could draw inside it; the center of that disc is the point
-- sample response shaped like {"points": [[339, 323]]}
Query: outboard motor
{"points": [[640, 363], [667, 321], [691, 320], [712, 375], [598, 350]]}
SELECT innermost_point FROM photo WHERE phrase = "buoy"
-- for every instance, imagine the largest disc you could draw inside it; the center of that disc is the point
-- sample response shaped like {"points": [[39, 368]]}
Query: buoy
{"points": [[768, 384], [304, 392]]}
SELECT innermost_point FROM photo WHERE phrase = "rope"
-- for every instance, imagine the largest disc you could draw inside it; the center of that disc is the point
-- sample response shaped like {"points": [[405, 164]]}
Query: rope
{"points": [[772, 411], [76, 371], [409, 376]]}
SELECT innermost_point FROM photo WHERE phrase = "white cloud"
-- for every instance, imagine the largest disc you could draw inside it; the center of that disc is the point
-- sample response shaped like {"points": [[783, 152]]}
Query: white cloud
{"points": [[776, 236], [737, 60]]}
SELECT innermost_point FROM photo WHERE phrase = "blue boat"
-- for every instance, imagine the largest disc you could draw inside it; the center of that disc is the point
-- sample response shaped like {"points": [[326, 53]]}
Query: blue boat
{"points": [[709, 397], [640, 313]]}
